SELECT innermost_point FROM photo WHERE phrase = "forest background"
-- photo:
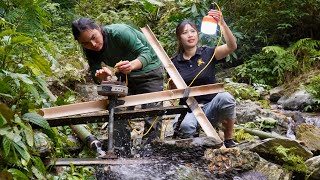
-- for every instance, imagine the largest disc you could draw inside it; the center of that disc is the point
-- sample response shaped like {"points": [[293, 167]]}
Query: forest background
{"points": [[278, 41]]}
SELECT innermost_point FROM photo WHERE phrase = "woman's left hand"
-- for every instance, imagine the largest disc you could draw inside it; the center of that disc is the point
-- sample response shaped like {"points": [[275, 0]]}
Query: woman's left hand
{"points": [[124, 67]]}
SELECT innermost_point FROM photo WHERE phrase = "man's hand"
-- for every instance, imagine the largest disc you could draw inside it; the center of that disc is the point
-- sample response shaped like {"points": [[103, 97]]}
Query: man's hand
{"points": [[103, 73], [124, 67]]}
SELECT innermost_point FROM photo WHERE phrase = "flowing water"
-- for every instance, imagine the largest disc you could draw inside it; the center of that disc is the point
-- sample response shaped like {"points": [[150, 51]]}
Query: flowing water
{"points": [[169, 163]]}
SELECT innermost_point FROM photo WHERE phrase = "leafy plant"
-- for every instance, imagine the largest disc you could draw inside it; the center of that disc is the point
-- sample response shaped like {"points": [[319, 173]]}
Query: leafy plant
{"points": [[22, 70], [314, 88], [242, 91], [266, 23], [266, 123], [276, 65], [241, 135], [78, 173], [17, 139], [290, 160]]}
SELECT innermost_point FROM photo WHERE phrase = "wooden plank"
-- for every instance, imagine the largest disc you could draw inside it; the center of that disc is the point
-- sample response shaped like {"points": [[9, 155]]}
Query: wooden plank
{"points": [[169, 95], [121, 115], [94, 106], [179, 82], [73, 109], [94, 161]]}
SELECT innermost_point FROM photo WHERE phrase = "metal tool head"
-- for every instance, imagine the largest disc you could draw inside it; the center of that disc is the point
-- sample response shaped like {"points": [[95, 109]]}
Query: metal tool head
{"points": [[112, 88]]}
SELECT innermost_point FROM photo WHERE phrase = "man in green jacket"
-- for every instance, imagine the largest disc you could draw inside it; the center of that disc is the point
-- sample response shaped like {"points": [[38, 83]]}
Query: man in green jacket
{"points": [[123, 47]]}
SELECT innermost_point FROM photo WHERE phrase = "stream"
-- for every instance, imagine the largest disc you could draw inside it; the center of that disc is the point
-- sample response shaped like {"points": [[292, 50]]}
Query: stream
{"points": [[170, 163]]}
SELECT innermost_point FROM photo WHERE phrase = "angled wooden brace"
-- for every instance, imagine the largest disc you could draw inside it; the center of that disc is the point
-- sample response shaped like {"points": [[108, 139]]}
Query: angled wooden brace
{"points": [[180, 84]]}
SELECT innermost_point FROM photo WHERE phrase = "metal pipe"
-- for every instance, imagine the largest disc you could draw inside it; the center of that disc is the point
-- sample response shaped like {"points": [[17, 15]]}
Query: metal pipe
{"points": [[90, 140], [111, 105]]}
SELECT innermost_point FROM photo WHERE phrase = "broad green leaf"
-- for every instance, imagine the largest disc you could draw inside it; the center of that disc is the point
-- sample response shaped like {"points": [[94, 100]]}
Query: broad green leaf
{"points": [[18, 174], [23, 162], [185, 9], [24, 78], [6, 144], [3, 120], [44, 86], [37, 173], [10, 133], [6, 32], [29, 135], [33, 90], [16, 77], [35, 70], [42, 64], [2, 50], [36, 119], [21, 40], [39, 164], [17, 135], [194, 9], [23, 152]]}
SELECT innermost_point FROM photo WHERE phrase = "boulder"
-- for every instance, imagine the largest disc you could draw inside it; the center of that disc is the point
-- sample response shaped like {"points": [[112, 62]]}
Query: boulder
{"points": [[310, 135], [313, 165]]}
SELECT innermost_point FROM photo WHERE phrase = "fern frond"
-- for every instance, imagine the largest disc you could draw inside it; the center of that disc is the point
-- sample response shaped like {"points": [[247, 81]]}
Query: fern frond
{"points": [[306, 43], [274, 49]]}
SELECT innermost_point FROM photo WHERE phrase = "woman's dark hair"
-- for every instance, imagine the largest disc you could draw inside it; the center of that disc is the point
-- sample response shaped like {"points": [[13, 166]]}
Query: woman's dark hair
{"points": [[179, 31], [81, 25]]}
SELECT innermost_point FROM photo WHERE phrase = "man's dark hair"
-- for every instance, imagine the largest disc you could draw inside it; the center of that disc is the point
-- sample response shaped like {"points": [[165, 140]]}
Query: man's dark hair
{"points": [[81, 25]]}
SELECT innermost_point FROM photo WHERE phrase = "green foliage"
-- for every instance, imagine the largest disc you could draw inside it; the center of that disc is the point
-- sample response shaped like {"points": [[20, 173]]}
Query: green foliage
{"points": [[241, 135], [27, 16], [291, 161], [276, 65], [242, 91], [262, 123], [265, 22], [22, 71], [77, 173], [314, 88], [17, 144], [266, 123]]}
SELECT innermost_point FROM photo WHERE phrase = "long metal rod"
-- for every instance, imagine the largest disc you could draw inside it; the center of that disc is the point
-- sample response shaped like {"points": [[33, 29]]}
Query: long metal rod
{"points": [[94, 161], [179, 82], [111, 106], [101, 105]]}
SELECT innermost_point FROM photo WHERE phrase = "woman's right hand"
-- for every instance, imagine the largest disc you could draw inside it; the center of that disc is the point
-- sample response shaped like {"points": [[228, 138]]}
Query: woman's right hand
{"points": [[217, 15], [103, 73]]}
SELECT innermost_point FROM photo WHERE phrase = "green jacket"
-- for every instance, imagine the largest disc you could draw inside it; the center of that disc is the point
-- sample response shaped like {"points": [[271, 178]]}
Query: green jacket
{"points": [[122, 42]]}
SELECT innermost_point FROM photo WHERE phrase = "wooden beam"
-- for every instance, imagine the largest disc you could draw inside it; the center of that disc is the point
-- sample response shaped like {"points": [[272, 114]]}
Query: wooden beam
{"points": [[179, 82], [121, 115], [73, 109], [101, 105]]}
